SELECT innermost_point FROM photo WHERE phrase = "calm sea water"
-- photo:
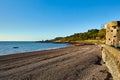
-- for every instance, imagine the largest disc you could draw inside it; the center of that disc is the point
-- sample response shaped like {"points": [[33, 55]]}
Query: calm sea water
{"points": [[19, 47]]}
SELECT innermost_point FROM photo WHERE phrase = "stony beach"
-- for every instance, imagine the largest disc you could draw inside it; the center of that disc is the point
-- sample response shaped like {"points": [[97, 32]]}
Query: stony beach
{"points": [[70, 63]]}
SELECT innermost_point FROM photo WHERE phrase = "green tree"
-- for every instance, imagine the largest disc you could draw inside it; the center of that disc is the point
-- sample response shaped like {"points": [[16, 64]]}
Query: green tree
{"points": [[102, 33]]}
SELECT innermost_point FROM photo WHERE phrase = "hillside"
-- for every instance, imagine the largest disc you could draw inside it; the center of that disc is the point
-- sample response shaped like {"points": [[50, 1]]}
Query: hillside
{"points": [[93, 34]]}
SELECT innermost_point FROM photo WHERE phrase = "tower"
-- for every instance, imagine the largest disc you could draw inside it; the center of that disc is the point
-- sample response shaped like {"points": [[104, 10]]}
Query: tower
{"points": [[113, 33]]}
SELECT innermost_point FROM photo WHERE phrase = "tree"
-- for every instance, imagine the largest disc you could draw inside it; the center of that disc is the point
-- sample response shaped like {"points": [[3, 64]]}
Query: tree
{"points": [[102, 33]]}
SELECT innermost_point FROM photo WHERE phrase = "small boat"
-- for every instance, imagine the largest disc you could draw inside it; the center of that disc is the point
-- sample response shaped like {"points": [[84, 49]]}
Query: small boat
{"points": [[15, 47]]}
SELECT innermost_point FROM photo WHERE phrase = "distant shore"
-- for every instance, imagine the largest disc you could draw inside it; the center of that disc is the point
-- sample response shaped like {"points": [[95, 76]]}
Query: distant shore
{"points": [[70, 63]]}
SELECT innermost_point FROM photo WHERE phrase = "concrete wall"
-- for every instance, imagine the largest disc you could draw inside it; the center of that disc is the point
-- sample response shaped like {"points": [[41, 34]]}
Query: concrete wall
{"points": [[111, 57]]}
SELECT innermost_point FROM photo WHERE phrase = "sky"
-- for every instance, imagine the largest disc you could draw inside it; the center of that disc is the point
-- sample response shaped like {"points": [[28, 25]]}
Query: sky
{"points": [[31, 20]]}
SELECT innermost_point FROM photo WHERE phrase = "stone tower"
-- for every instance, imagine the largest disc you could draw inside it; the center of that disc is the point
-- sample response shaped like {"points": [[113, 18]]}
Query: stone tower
{"points": [[113, 33]]}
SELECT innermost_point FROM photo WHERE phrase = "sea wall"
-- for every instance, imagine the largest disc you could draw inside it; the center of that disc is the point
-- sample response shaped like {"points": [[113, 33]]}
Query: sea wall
{"points": [[111, 58]]}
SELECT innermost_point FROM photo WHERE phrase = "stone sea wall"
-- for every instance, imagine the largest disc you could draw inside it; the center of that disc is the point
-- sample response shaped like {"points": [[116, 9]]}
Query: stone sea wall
{"points": [[111, 58]]}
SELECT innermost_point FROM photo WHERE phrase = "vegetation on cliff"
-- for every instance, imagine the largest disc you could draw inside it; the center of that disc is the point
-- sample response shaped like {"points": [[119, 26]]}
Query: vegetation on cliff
{"points": [[93, 34]]}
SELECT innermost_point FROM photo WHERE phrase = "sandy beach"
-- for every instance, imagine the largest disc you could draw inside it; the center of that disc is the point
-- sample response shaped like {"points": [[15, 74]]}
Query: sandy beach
{"points": [[70, 63]]}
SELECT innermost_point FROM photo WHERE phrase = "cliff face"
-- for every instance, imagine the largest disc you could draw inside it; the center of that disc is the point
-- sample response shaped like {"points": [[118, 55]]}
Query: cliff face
{"points": [[111, 58]]}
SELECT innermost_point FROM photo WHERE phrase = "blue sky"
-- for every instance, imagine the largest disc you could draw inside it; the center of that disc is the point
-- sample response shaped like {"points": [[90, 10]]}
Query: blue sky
{"points": [[47, 19]]}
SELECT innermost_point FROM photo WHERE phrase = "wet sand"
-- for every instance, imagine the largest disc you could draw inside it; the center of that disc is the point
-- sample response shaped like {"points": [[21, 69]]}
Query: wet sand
{"points": [[70, 63]]}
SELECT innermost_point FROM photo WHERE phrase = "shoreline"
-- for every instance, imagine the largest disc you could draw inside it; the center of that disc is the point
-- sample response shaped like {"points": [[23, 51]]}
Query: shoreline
{"points": [[34, 51], [20, 52], [69, 45], [72, 63]]}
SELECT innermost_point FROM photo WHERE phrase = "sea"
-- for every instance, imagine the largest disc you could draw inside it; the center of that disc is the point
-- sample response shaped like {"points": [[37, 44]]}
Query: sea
{"points": [[15, 47]]}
